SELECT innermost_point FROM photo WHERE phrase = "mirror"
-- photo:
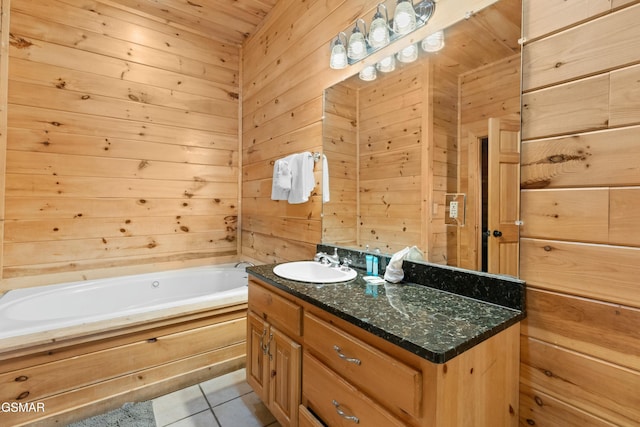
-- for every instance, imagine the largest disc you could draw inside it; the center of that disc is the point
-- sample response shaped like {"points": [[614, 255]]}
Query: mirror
{"points": [[428, 154]]}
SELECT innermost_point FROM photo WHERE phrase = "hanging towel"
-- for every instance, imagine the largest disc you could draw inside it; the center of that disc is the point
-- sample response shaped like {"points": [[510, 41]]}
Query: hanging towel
{"points": [[281, 184], [293, 178], [325, 179], [302, 179]]}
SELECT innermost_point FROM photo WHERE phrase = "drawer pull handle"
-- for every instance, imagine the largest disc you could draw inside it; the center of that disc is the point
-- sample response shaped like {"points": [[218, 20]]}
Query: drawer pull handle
{"points": [[342, 356], [344, 415]]}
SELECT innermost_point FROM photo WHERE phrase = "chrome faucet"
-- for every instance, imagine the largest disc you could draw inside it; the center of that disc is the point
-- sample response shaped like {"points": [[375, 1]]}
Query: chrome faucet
{"points": [[325, 258]]}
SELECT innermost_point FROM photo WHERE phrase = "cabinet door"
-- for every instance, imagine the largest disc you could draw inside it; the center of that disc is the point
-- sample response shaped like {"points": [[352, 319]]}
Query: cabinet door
{"points": [[257, 362], [284, 376]]}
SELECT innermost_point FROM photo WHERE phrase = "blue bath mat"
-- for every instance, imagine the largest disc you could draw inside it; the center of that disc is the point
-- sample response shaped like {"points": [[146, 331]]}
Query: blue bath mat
{"points": [[129, 415]]}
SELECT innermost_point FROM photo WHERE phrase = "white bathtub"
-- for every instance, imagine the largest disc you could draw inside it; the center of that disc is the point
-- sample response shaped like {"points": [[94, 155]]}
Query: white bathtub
{"points": [[123, 300]]}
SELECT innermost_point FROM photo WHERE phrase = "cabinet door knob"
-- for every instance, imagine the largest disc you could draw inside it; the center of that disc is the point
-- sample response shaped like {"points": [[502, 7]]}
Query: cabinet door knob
{"points": [[497, 233], [344, 414], [342, 356]]}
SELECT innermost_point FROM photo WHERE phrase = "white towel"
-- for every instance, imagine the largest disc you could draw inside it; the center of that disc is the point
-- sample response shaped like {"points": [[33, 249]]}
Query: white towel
{"points": [[302, 179], [293, 178], [325, 179], [281, 184]]}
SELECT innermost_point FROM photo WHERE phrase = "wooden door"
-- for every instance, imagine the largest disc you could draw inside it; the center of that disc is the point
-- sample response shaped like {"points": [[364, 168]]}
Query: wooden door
{"points": [[504, 197], [284, 376], [257, 369]]}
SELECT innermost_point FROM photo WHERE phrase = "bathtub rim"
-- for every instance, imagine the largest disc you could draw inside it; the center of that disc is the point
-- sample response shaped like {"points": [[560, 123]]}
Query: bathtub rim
{"points": [[100, 329]]}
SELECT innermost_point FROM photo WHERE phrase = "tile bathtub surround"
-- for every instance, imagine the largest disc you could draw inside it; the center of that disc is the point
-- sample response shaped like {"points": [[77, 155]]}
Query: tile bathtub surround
{"points": [[501, 290], [225, 401]]}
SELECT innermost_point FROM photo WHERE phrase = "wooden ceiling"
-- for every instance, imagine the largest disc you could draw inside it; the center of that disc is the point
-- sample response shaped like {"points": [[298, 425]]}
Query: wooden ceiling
{"points": [[225, 20]]}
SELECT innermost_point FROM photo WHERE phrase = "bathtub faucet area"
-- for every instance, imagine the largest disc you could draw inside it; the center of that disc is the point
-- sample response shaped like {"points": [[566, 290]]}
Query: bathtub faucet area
{"points": [[244, 263]]}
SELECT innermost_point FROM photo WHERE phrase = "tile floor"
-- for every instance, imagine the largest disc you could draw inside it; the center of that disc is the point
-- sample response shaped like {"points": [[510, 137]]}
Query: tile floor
{"points": [[226, 401]]}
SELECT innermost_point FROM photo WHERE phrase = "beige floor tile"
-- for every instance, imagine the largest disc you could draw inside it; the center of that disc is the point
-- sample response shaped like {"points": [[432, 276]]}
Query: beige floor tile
{"points": [[178, 405], [246, 411], [226, 387]]}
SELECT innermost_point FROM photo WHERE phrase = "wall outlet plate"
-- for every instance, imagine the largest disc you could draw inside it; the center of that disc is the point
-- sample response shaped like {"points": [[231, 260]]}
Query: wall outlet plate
{"points": [[454, 208]]}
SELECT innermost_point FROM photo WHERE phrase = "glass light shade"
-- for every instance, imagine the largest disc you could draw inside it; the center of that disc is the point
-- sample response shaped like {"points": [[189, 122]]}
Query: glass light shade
{"points": [[408, 54], [368, 73], [386, 65], [357, 45], [404, 18], [338, 59], [378, 32], [433, 42]]}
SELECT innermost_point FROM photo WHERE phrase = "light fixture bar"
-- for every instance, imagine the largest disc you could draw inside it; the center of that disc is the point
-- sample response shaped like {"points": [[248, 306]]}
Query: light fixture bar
{"points": [[375, 40]]}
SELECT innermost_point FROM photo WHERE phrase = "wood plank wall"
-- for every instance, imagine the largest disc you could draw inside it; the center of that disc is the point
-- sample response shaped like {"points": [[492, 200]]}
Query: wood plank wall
{"points": [[122, 145], [392, 134], [340, 145], [442, 240], [384, 131], [580, 245], [285, 71]]}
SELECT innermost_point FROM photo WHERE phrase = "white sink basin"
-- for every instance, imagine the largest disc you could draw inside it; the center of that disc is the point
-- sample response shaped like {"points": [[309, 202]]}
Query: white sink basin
{"points": [[313, 272]]}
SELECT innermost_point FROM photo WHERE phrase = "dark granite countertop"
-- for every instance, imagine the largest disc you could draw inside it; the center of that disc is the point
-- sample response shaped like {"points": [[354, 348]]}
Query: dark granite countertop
{"points": [[434, 324]]}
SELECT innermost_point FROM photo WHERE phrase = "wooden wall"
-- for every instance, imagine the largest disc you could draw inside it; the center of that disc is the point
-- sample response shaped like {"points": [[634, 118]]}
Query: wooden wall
{"points": [[340, 145], [580, 245], [122, 144], [285, 71], [392, 135], [392, 149]]}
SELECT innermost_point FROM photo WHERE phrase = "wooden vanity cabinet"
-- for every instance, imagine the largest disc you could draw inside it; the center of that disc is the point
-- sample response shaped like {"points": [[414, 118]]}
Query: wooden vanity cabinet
{"points": [[345, 375], [273, 357]]}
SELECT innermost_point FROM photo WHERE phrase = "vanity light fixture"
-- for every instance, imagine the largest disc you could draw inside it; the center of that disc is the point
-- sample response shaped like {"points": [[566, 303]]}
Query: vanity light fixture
{"points": [[382, 31], [338, 59], [404, 18], [379, 29], [368, 73], [408, 54], [433, 42], [357, 48], [387, 65]]}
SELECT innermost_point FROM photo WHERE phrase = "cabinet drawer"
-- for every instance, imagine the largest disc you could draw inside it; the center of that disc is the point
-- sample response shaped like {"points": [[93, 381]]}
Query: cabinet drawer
{"points": [[279, 311], [377, 374], [337, 402], [306, 418]]}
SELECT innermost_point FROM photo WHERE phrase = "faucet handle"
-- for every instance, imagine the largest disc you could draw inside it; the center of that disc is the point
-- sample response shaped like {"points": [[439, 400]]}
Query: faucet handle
{"points": [[346, 262]]}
